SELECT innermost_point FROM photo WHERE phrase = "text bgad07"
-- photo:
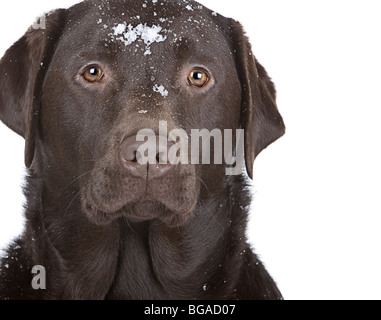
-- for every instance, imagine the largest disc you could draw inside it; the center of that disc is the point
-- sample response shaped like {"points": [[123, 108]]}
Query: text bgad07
{"points": [[192, 309]]}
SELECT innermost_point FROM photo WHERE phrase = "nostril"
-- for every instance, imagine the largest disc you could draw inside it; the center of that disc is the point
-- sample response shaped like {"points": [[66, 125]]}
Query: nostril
{"points": [[128, 151], [135, 159], [144, 162], [161, 158]]}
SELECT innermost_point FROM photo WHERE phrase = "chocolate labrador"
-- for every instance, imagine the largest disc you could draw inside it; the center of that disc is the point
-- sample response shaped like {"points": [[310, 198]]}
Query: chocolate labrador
{"points": [[80, 86]]}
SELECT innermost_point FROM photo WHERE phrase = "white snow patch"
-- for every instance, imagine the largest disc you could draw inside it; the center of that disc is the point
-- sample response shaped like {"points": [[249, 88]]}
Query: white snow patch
{"points": [[119, 29], [154, 1], [99, 21], [160, 89], [214, 13], [189, 7], [143, 111], [129, 34], [151, 34]]}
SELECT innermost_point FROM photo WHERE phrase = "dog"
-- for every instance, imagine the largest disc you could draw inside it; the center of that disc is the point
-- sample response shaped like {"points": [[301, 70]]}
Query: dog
{"points": [[79, 86]]}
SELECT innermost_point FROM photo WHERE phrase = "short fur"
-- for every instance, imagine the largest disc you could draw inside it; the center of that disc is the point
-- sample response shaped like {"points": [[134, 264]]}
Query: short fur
{"points": [[99, 233]]}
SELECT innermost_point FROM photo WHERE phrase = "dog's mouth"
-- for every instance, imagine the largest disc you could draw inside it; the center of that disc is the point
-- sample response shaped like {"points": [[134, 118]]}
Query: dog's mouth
{"points": [[170, 199], [139, 212]]}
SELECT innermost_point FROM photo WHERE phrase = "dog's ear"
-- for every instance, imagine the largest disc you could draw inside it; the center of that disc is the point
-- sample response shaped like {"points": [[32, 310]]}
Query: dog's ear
{"points": [[22, 73], [260, 117]]}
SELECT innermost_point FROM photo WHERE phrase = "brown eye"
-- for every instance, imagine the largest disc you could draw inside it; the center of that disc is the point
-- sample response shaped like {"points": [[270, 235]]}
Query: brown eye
{"points": [[93, 74], [198, 78]]}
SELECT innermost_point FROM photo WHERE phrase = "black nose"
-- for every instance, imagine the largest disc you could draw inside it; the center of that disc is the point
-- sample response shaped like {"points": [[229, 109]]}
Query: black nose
{"points": [[146, 159]]}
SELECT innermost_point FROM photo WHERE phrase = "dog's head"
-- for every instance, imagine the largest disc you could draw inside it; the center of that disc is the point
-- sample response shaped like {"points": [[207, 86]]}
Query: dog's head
{"points": [[81, 90]]}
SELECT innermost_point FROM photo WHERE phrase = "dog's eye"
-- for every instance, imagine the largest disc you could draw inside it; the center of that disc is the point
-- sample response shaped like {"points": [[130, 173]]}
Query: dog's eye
{"points": [[93, 74], [198, 78]]}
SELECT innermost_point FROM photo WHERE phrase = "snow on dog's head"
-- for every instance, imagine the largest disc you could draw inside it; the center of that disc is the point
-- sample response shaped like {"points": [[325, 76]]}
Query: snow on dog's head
{"points": [[147, 33], [129, 34], [139, 25]]}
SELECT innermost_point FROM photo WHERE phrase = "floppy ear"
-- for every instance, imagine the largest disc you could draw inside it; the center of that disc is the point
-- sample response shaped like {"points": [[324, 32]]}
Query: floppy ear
{"points": [[260, 117], [22, 73]]}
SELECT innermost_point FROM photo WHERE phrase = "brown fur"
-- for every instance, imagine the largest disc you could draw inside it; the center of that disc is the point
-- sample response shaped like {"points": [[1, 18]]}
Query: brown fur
{"points": [[178, 237]]}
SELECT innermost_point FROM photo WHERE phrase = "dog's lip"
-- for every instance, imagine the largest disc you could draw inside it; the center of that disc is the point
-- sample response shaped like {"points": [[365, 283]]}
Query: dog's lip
{"points": [[97, 216], [105, 206], [94, 211]]}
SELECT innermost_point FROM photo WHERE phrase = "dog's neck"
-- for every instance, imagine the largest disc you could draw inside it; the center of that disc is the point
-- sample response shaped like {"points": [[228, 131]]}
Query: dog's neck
{"points": [[97, 262]]}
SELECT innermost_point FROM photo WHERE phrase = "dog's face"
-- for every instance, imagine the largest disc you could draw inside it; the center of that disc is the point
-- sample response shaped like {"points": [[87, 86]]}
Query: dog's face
{"points": [[102, 71], [101, 89]]}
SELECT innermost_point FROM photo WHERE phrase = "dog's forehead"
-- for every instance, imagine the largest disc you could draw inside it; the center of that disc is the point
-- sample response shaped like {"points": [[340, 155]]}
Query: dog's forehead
{"points": [[139, 27], [147, 10]]}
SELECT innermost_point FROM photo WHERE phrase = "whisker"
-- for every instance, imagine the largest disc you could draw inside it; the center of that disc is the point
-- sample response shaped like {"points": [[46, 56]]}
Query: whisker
{"points": [[71, 202], [128, 223], [213, 216], [205, 185], [206, 206], [76, 179]]}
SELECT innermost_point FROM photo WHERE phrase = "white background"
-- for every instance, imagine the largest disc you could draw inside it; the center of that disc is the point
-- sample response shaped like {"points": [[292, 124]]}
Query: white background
{"points": [[316, 215]]}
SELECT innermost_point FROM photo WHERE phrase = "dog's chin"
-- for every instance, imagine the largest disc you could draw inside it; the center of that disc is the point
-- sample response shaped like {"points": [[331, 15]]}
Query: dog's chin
{"points": [[141, 212]]}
